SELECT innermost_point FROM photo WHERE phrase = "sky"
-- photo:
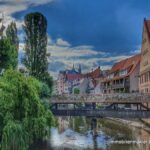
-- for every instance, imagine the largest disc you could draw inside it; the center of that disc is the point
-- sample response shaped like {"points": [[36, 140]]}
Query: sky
{"points": [[88, 32]]}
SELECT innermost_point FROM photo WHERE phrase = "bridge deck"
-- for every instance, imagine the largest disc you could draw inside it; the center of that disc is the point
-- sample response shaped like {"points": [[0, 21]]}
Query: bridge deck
{"points": [[113, 98], [103, 113]]}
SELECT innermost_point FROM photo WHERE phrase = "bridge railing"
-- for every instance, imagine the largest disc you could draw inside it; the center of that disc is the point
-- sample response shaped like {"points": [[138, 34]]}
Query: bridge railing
{"points": [[103, 97]]}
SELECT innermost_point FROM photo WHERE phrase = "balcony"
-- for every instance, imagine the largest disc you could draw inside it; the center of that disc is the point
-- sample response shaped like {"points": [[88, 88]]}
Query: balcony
{"points": [[115, 86], [105, 87], [120, 85]]}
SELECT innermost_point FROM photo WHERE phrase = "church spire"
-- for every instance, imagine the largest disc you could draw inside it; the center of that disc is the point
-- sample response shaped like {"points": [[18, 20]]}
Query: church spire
{"points": [[79, 70], [73, 67]]}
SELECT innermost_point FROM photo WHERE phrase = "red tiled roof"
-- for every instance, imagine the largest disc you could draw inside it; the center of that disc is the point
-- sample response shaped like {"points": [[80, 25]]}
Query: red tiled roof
{"points": [[130, 64], [94, 74], [117, 66], [147, 24], [74, 76]]}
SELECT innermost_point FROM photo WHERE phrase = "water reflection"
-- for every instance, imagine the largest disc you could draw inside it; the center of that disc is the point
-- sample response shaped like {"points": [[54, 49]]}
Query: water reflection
{"points": [[79, 133]]}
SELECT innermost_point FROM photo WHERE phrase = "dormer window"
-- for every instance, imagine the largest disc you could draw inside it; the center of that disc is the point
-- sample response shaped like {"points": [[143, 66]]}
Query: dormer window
{"points": [[111, 76], [123, 72]]}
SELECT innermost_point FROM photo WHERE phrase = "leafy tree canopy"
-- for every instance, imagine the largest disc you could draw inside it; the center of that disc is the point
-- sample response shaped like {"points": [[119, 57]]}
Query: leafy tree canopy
{"points": [[11, 33], [23, 117], [8, 54], [35, 28], [76, 91]]}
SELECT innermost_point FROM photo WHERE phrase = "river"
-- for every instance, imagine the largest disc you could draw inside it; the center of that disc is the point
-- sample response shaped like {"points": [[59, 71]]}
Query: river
{"points": [[81, 133]]}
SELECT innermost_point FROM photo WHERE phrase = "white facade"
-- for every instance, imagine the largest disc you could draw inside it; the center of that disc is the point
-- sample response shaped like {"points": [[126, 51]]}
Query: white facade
{"points": [[98, 90]]}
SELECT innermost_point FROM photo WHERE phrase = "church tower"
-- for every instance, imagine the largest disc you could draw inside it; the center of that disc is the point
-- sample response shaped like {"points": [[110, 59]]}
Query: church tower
{"points": [[79, 70], [73, 69]]}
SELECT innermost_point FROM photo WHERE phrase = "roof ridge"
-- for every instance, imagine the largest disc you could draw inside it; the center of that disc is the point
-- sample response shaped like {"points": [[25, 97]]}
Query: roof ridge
{"points": [[147, 27], [124, 64]]}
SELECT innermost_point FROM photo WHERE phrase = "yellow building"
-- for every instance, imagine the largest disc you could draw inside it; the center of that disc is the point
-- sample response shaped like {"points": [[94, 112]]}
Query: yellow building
{"points": [[144, 85]]}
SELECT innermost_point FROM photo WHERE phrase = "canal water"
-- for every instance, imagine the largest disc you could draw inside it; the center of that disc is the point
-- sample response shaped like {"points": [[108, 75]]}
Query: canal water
{"points": [[81, 133]]}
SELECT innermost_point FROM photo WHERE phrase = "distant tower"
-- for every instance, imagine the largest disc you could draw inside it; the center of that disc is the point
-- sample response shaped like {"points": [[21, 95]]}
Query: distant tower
{"points": [[2, 27], [73, 68], [79, 70]]}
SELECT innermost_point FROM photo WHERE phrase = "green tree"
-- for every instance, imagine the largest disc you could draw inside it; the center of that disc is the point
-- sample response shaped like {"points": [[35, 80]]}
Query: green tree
{"points": [[35, 27], [49, 81], [11, 33], [76, 91], [23, 117], [8, 54]]}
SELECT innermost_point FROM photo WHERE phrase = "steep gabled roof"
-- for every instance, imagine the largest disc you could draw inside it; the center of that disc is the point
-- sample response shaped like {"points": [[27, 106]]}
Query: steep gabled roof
{"points": [[118, 66], [147, 24], [72, 77], [128, 64], [94, 74]]}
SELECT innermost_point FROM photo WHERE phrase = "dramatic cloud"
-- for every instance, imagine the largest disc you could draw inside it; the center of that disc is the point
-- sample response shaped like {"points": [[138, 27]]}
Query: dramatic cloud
{"points": [[74, 38], [10, 7], [64, 55]]}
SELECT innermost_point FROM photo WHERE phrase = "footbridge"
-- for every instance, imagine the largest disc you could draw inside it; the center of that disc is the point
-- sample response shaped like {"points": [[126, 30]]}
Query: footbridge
{"points": [[81, 107]]}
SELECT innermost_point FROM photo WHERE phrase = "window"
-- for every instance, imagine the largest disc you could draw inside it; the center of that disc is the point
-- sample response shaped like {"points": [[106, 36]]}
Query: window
{"points": [[111, 76], [149, 76], [146, 90], [145, 78], [123, 72], [140, 79]]}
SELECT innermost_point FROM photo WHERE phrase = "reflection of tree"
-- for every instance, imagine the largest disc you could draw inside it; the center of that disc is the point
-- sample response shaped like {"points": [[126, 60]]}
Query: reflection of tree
{"points": [[95, 146], [79, 124], [94, 131]]}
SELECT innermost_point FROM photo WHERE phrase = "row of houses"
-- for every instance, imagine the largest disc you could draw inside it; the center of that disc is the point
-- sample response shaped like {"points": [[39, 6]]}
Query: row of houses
{"points": [[127, 76], [71, 81]]}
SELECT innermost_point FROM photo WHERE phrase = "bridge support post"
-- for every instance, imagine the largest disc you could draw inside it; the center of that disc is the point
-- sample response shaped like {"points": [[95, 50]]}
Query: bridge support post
{"points": [[94, 105], [56, 106], [94, 127], [137, 106], [115, 106]]}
